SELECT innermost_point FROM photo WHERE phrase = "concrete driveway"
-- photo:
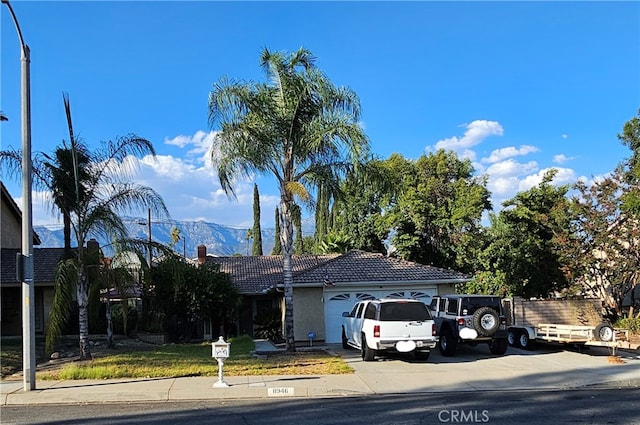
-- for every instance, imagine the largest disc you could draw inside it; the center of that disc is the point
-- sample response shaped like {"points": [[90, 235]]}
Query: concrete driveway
{"points": [[475, 368]]}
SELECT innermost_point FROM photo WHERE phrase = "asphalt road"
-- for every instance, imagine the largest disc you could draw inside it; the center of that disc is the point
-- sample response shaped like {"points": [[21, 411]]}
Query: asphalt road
{"points": [[581, 406]]}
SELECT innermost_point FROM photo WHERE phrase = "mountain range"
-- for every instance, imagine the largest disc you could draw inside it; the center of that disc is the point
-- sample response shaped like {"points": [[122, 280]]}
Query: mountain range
{"points": [[219, 239]]}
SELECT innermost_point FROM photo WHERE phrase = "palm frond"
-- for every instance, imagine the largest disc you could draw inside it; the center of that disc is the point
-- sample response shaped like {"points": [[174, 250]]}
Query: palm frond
{"points": [[65, 287]]}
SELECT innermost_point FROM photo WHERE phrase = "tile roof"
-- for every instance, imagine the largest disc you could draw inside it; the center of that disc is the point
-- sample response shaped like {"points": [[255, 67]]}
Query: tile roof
{"points": [[255, 274], [45, 261]]}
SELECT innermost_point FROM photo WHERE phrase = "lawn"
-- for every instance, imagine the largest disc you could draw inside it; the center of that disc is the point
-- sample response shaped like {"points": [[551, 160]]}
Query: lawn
{"points": [[174, 360]]}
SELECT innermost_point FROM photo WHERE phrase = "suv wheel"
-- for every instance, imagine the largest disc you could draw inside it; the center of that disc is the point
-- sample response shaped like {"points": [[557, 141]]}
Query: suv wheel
{"points": [[486, 321], [367, 353], [448, 344], [498, 346], [345, 343]]}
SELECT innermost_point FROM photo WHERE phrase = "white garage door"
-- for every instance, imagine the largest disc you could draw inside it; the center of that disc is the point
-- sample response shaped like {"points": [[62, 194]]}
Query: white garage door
{"points": [[336, 302]]}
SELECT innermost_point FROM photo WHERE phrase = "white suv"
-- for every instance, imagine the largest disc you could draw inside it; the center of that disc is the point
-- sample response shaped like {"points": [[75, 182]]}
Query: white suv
{"points": [[389, 325]]}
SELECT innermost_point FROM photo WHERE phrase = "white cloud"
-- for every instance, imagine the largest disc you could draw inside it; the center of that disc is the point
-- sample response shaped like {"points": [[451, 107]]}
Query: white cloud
{"points": [[508, 152], [201, 141], [561, 158], [564, 136], [511, 168], [477, 131], [563, 176]]}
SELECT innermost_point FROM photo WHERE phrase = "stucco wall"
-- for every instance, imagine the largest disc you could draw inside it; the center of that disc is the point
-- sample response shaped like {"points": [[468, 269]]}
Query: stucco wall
{"points": [[11, 230], [308, 314]]}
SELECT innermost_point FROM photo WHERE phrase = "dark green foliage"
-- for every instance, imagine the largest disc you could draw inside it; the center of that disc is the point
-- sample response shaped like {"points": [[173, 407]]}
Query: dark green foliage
{"points": [[257, 232], [187, 293], [277, 245], [524, 252], [630, 169], [436, 210], [118, 312], [268, 325]]}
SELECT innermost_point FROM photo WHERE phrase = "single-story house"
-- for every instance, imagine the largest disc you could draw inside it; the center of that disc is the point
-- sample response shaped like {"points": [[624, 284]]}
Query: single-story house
{"points": [[324, 286], [44, 262]]}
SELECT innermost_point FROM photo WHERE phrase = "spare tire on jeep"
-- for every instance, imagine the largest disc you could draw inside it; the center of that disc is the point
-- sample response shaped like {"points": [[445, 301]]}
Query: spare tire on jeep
{"points": [[485, 321]]}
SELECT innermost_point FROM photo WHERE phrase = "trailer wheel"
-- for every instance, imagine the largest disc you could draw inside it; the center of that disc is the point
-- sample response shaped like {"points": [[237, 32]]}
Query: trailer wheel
{"points": [[512, 337], [604, 332], [523, 340]]}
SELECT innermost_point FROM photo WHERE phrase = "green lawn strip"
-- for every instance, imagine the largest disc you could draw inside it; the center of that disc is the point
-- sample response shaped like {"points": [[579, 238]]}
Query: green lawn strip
{"points": [[176, 360]]}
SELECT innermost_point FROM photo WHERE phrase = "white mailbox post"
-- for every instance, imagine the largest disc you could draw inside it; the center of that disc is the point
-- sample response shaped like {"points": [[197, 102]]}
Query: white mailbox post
{"points": [[220, 351]]}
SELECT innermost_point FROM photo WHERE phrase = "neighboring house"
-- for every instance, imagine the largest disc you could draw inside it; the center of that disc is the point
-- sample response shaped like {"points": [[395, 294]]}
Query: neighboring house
{"points": [[44, 264], [327, 285]]}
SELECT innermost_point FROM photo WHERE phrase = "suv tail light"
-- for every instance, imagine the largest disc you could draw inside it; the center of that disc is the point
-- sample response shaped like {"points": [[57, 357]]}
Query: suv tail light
{"points": [[376, 331], [434, 329], [503, 320], [461, 321]]}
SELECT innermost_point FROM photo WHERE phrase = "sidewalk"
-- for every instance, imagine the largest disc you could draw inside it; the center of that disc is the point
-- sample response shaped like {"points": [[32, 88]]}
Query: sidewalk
{"points": [[519, 370]]}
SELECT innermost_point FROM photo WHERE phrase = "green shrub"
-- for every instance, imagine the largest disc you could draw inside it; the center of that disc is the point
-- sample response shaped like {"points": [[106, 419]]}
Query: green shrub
{"points": [[269, 325], [117, 318], [633, 324]]}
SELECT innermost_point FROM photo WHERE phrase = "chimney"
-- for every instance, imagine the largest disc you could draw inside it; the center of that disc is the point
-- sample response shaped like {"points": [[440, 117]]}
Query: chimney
{"points": [[202, 254]]}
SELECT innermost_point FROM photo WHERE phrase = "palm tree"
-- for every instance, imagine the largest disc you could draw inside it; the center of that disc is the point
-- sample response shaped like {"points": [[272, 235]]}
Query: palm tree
{"points": [[101, 200], [298, 127]]}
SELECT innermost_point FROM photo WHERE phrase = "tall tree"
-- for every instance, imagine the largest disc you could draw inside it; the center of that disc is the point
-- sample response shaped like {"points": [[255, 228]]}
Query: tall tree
{"points": [[601, 250], [277, 246], [525, 249], [296, 126], [436, 213], [257, 231], [630, 169], [100, 198], [57, 174]]}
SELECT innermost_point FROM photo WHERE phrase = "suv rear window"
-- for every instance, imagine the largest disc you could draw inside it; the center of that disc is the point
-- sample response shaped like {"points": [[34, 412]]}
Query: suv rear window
{"points": [[406, 311], [472, 304]]}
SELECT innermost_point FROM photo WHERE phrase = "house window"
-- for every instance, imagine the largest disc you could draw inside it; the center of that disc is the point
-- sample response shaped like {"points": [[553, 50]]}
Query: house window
{"points": [[396, 295], [362, 297], [340, 297], [418, 295]]}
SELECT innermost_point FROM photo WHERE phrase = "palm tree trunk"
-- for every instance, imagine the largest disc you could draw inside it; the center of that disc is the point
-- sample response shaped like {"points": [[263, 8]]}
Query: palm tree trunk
{"points": [[83, 313], [110, 343], [66, 220], [286, 238]]}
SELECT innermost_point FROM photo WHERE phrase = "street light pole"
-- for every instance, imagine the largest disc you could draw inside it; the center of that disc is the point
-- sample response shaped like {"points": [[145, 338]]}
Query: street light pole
{"points": [[28, 292]]}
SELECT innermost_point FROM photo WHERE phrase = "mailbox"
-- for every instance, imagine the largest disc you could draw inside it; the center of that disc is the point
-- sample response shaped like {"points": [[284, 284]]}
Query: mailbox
{"points": [[220, 349]]}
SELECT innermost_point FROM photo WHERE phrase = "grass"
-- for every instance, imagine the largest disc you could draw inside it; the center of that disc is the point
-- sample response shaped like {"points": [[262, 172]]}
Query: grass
{"points": [[175, 360]]}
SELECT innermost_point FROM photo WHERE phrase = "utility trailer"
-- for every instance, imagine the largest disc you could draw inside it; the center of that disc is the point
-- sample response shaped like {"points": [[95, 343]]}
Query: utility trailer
{"points": [[578, 322]]}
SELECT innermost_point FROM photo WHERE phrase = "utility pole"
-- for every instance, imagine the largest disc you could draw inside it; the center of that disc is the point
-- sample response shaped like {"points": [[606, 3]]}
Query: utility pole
{"points": [[28, 291]]}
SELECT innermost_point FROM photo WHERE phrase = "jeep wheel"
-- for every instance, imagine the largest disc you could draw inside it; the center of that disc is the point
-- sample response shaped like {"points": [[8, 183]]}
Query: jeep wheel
{"points": [[498, 346], [485, 321], [367, 353], [604, 332], [448, 344], [345, 342], [421, 355]]}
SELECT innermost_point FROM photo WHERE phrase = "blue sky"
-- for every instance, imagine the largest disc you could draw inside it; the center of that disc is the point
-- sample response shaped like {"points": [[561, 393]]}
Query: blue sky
{"points": [[517, 87]]}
